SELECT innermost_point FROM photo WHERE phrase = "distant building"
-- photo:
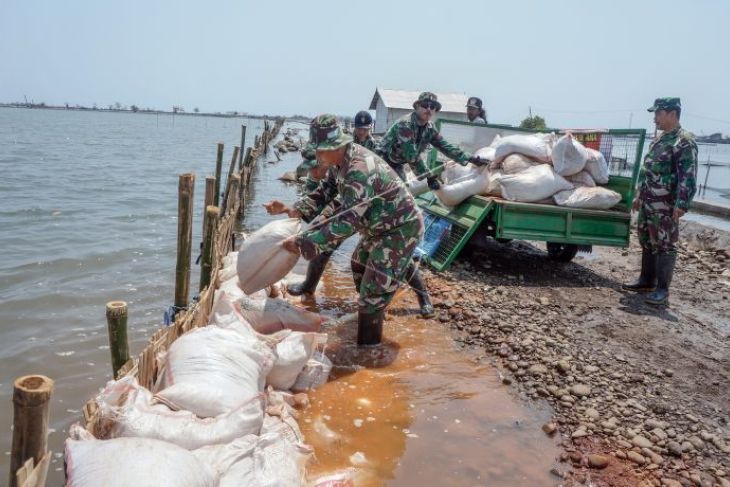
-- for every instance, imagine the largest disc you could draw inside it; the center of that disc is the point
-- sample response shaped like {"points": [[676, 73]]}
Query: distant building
{"points": [[390, 105]]}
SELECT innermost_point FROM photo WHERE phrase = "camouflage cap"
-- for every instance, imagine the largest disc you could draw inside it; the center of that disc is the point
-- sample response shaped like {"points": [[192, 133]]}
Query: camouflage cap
{"points": [[427, 96], [327, 133], [666, 103]]}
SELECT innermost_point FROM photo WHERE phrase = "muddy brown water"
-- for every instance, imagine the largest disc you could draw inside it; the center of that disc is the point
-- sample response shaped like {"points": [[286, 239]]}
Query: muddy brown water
{"points": [[417, 410]]}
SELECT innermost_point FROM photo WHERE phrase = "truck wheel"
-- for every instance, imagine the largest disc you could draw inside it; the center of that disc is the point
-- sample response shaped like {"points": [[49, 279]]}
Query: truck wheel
{"points": [[561, 252]]}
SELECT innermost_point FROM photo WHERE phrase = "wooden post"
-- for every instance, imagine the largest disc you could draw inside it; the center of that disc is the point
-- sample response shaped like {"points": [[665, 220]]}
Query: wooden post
{"points": [[231, 168], [242, 146], [206, 264], [116, 321], [209, 194], [31, 400], [184, 239], [218, 170], [233, 195]]}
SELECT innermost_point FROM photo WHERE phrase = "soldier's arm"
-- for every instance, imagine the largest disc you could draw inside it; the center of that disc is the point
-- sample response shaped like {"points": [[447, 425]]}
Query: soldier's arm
{"points": [[328, 235], [686, 174], [312, 204], [385, 145], [451, 151]]}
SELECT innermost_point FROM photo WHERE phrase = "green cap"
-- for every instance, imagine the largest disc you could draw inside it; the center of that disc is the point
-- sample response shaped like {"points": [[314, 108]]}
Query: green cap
{"points": [[327, 133], [426, 97], [666, 103]]}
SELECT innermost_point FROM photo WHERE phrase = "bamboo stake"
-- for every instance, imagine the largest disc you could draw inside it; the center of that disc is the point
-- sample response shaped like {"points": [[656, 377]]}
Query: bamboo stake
{"points": [[218, 169], [231, 168], [242, 146], [184, 238], [31, 401], [233, 195], [209, 193], [116, 320], [206, 266]]}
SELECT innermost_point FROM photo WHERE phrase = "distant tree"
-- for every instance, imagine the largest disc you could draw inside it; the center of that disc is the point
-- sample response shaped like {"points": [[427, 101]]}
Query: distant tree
{"points": [[178, 109], [196, 110], [66, 104], [118, 105], [94, 107], [533, 123], [134, 108]]}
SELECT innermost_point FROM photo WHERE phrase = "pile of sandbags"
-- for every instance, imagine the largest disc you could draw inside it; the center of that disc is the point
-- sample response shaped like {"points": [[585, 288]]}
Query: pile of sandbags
{"points": [[220, 412]]}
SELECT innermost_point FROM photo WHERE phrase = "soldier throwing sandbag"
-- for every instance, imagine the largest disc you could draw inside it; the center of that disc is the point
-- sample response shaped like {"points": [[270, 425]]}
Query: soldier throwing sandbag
{"points": [[667, 184], [373, 202]]}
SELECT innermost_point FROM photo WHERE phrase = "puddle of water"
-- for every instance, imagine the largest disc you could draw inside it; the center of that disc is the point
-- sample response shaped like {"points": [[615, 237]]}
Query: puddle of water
{"points": [[418, 411]]}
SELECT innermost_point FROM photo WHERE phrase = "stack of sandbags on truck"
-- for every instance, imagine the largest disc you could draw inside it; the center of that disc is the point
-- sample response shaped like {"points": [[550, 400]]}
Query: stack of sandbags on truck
{"points": [[584, 168]]}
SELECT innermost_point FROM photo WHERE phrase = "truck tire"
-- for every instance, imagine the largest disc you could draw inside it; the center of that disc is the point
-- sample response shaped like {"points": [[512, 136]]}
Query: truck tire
{"points": [[561, 252]]}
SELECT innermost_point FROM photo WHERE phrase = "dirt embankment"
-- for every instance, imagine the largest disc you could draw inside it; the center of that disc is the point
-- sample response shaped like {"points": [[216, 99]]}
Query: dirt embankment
{"points": [[641, 394]]}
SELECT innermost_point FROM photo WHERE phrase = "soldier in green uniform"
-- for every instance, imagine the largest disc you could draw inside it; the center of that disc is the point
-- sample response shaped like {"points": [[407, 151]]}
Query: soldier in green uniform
{"points": [[409, 137], [373, 202], [666, 186], [363, 130]]}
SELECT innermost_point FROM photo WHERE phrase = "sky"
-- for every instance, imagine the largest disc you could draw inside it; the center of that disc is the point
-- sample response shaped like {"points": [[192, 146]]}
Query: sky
{"points": [[576, 63]]}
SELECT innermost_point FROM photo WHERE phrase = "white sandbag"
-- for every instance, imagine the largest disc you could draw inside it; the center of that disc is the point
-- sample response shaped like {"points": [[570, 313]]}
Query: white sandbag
{"points": [[315, 373], [514, 163], [533, 184], [269, 315], [130, 412], [210, 371], [265, 461], [569, 155], [495, 141], [486, 153], [292, 354], [142, 462], [474, 183], [597, 166], [493, 188], [454, 172], [290, 176], [537, 146], [262, 260], [417, 187], [597, 198], [582, 179]]}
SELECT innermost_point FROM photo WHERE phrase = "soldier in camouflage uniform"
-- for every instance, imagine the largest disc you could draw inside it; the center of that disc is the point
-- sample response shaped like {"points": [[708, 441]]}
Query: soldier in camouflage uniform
{"points": [[409, 137], [362, 133], [375, 203], [363, 123], [666, 186]]}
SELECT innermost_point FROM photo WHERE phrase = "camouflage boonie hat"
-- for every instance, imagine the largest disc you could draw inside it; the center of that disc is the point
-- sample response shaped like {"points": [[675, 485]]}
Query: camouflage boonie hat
{"points": [[425, 97], [327, 133], [666, 103]]}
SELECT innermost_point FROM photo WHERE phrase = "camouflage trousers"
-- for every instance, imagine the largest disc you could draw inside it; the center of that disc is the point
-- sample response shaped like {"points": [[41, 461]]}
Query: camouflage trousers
{"points": [[379, 264], [658, 230]]}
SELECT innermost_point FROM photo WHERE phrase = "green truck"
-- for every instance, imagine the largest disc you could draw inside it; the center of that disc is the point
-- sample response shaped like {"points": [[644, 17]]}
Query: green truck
{"points": [[565, 230]]}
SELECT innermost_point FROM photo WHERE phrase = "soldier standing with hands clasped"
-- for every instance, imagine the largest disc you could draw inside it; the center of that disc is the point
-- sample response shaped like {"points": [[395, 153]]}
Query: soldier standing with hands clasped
{"points": [[667, 184]]}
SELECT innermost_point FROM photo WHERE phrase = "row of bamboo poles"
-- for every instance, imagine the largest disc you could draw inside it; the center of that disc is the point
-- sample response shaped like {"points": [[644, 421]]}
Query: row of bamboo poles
{"points": [[222, 208]]}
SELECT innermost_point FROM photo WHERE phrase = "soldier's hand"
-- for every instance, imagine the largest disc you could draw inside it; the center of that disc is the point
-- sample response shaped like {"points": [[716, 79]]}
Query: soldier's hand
{"points": [[290, 244], [678, 213], [478, 161], [276, 207], [433, 183], [293, 213]]}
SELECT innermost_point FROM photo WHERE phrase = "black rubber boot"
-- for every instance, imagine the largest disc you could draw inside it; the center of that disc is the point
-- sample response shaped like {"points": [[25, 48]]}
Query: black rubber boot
{"points": [[647, 279], [424, 300], [370, 327], [664, 271], [315, 269]]}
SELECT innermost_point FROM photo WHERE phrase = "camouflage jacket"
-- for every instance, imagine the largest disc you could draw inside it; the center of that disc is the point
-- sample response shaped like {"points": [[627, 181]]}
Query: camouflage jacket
{"points": [[370, 143], [405, 142], [669, 173], [373, 201]]}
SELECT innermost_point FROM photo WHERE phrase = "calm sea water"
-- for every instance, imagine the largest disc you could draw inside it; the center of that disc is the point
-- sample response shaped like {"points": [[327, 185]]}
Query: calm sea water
{"points": [[88, 214]]}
